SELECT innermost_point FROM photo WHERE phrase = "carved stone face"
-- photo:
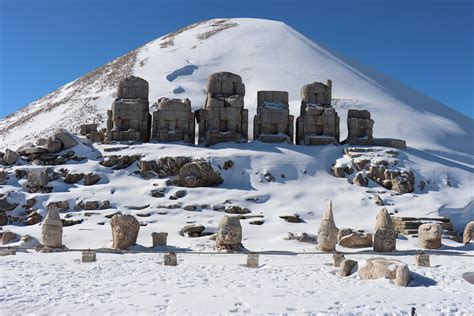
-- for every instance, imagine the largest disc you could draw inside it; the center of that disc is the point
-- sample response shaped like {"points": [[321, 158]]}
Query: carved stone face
{"points": [[429, 236], [327, 239], [124, 231], [229, 233], [385, 240]]}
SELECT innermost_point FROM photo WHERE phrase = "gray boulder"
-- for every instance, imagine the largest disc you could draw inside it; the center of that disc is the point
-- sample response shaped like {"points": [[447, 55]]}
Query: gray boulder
{"points": [[68, 141], [10, 157], [198, 174]]}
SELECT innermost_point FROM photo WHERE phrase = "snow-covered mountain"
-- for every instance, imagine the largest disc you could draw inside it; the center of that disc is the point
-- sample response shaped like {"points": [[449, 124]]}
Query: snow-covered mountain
{"points": [[268, 55]]}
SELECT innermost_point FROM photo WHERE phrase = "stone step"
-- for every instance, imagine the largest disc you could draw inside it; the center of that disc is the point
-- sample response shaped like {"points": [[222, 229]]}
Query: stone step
{"points": [[415, 225], [406, 218]]}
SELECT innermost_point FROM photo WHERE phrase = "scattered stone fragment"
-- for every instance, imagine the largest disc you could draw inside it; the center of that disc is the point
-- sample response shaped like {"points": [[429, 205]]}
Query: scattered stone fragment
{"points": [[170, 259], [158, 193], [378, 200], [8, 237], [124, 231], [10, 157], [33, 218], [360, 179], [65, 138], [394, 270], [159, 239], [295, 218], [229, 234], [337, 259], [356, 240], [228, 164], [61, 206], [235, 209], [5, 204], [89, 256], [422, 260], [429, 236], [72, 178], [109, 161], [91, 179], [192, 230], [257, 222], [198, 174], [347, 267]]}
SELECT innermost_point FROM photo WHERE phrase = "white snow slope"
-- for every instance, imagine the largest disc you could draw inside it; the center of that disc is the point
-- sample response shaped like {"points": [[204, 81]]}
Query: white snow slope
{"points": [[269, 56]]}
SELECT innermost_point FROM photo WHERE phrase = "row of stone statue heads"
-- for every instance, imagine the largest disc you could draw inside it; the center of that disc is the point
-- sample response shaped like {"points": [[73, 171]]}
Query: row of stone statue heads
{"points": [[224, 118]]}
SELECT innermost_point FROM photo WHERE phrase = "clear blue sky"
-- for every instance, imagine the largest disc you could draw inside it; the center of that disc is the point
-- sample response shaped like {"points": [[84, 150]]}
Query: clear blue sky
{"points": [[427, 44]]}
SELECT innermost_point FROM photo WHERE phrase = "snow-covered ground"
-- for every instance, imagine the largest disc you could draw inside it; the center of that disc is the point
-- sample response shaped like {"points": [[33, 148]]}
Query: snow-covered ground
{"points": [[59, 284]]}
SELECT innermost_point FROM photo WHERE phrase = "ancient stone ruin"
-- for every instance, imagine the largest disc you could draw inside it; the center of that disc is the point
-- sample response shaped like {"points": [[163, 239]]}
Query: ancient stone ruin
{"points": [[229, 234], [385, 236], [273, 122], [378, 268], [318, 123], [173, 121], [124, 231], [223, 119], [360, 127], [52, 229], [327, 232], [429, 236], [129, 119]]}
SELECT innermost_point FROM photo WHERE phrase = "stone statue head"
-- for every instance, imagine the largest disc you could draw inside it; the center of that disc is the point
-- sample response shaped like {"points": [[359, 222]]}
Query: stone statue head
{"points": [[229, 233]]}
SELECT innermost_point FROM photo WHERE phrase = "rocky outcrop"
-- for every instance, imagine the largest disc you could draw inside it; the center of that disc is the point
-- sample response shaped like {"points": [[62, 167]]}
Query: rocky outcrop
{"points": [[124, 231], [429, 236], [229, 234], [394, 270], [327, 232], [198, 174], [163, 167]]}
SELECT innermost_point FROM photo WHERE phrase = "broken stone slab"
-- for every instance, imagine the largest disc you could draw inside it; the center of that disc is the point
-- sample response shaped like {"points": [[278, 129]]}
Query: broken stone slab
{"points": [[170, 259], [37, 178], [61, 206], [72, 178], [356, 240], [235, 209], [192, 230], [422, 260], [68, 141], [5, 204], [159, 239], [377, 268], [89, 256], [295, 218], [252, 260], [8, 237]]}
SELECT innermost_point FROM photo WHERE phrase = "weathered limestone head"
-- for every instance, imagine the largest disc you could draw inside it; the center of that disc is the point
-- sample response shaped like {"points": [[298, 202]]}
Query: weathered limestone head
{"points": [[225, 83], [468, 234], [327, 232], [132, 87], [385, 236], [277, 99], [52, 229], [174, 104], [317, 93], [229, 234], [124, 231], [429, 236], [384, 220]]}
